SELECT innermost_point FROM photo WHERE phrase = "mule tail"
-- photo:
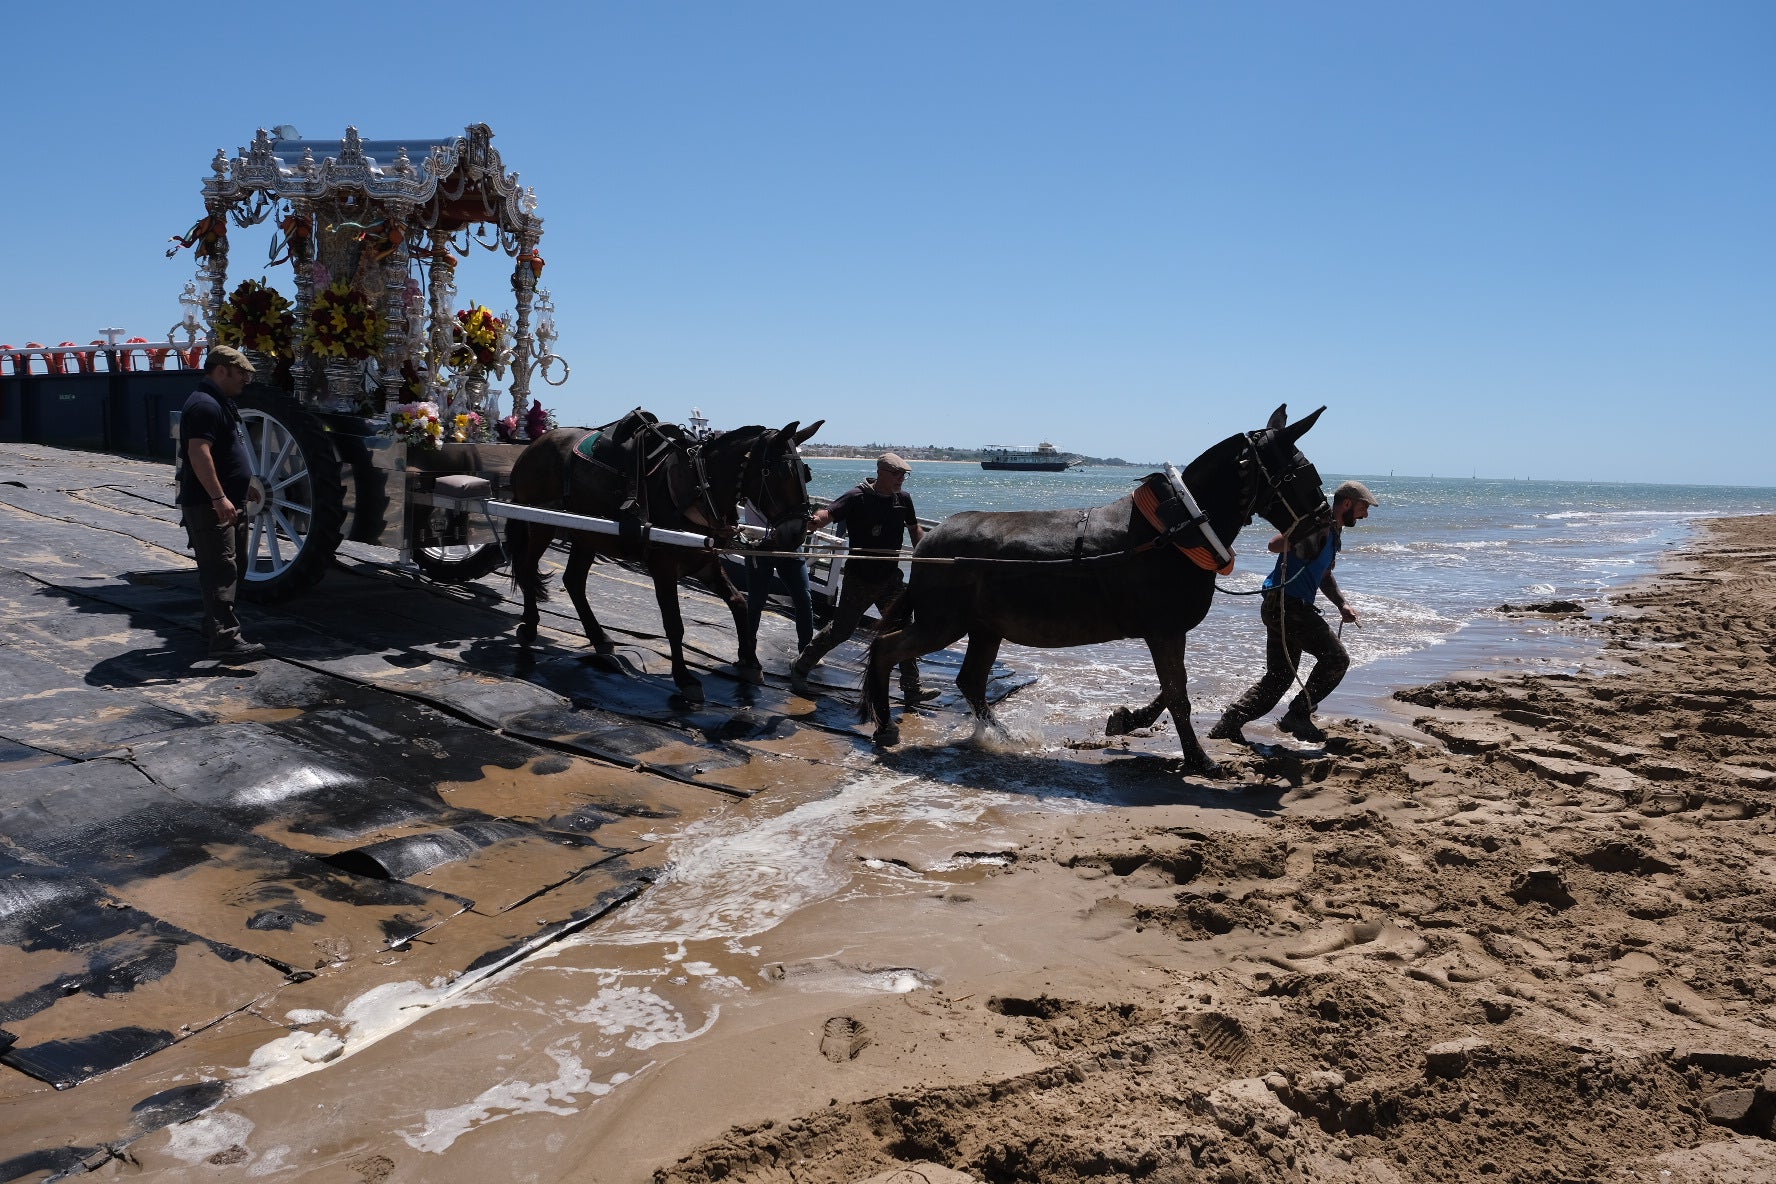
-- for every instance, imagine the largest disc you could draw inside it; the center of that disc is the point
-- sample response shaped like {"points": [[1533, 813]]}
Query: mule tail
{"points": [[873, 707], [527, 575]]}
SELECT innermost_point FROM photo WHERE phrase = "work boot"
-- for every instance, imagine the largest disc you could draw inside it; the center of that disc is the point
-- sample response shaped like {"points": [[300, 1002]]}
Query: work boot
{"points": [[1229, 727], [238, 651], [1301, 726], [912, 694]]}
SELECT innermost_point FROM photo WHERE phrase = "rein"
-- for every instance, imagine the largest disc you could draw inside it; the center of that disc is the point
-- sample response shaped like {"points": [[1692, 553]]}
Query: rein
{"points": [[1166, 535]]}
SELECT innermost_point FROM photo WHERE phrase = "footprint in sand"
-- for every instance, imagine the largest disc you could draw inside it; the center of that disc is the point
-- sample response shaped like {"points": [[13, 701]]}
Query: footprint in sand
{"points": [[843, 1039], [1377, 938], [1223, 1037]]}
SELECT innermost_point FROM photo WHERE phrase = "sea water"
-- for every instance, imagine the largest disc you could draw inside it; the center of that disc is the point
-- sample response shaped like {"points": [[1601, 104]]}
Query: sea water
{"points": [[1426, 573]]}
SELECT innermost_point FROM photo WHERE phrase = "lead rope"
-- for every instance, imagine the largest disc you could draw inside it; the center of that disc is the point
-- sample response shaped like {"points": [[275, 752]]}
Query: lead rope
{"points": [[1295, 679]]}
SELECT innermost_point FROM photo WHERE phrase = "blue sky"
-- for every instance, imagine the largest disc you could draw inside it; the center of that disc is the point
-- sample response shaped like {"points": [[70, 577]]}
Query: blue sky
{"points": [[1516, 239]]}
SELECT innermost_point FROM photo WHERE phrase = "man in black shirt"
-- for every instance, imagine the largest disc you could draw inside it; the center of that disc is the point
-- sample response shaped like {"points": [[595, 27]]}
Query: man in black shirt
{"points": [[215, 483], [875, 514]]}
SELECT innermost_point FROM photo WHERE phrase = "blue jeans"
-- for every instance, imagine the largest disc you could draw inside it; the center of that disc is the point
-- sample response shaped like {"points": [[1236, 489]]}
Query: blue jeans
{"points": [[794, 571]]}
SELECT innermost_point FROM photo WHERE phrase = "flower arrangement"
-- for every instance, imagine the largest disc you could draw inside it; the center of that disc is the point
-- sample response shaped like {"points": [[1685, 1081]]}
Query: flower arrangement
{"points": [[342, 323], [417, 424], [257, 317], [481, 339], [507, 430], [466, 427], [537, 421]]}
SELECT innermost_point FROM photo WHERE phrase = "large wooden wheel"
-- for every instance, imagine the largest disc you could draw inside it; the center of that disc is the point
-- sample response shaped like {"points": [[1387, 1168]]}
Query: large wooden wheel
{"points": [[292, 537]]}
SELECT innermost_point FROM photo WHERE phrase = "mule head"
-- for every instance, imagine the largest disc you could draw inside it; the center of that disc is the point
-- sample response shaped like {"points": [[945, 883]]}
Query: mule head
{"points": [[1287, 489], [777, 482]]}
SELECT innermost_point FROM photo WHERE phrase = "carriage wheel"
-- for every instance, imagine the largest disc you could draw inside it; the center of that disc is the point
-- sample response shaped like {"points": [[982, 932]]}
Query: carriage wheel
{"points": [[291, 540], [443, 552]]}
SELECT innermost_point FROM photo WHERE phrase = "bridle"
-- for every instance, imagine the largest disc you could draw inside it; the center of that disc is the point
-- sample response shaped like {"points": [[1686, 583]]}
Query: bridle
{"points": [[757, 481], [1281, 483]]}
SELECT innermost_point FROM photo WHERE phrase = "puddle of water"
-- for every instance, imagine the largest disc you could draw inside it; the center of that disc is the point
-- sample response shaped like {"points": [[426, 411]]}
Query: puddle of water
{"points": [[740, 873]]}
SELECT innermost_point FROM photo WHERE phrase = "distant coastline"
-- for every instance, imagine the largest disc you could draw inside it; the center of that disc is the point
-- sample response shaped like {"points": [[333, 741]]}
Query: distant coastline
{"points": [[934, 452]]}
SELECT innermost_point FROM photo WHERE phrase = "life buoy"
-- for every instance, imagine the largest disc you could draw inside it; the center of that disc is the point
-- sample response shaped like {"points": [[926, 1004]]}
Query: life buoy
{"points": [[59, 361], [30, 346], [126, 357], [89, 361], [193, 357], [8, 358]]}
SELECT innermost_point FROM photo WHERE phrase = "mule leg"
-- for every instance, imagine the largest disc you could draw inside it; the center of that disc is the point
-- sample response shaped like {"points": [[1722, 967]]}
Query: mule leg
{"points": [[1126, 719], [665, 572], [579, 564], [887, 652], [977, 668], [746, 664], [527, 541], [1168, 663]]}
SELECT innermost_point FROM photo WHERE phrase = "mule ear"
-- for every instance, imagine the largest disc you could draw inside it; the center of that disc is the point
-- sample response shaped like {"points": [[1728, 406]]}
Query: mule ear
{"points": [[789, 428], [1278, 418], [1300, 427], [802, 436]]}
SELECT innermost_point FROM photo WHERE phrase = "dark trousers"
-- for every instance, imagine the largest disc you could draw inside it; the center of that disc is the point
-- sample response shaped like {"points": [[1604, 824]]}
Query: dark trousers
{"points": [[858, 594], [794, 571], [1293, 626], [219, 550]]}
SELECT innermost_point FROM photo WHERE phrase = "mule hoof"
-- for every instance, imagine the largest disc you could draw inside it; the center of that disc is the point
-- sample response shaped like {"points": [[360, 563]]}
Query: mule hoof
{"points": [[1204, 767], [527, 633], [750, 672], [606, 661], [1120, 723], [887, 735], [690, 690]]}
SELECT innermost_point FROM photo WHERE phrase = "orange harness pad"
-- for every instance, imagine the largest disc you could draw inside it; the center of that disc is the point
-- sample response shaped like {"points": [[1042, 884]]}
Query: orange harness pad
{"points": [[1148, 503]]}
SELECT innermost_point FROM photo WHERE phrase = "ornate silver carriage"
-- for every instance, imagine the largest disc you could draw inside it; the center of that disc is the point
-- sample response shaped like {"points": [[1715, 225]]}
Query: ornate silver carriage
{"points": [[372, 383]]}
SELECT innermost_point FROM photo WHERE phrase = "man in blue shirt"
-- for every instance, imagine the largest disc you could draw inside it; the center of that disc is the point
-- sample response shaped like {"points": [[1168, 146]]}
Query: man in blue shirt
{"points": [[1293, 624], [215, 483]]}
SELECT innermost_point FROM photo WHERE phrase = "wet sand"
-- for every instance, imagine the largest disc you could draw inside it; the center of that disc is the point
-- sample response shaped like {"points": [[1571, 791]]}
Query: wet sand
{"points": [[1537, 945], [1527, 940]]}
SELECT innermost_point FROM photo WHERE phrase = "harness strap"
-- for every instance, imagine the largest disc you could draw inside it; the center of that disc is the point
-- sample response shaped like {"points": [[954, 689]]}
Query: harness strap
{"points": [[1079, 535], [1220, 560], [1201, 521]]}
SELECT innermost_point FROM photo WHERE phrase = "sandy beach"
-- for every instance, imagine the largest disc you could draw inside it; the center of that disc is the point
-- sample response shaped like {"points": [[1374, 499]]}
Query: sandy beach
{"points": [[1537, 947]]}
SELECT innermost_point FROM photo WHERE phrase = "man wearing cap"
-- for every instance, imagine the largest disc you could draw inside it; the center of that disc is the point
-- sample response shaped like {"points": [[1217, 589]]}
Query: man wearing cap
{"points": [[1293, 624], [215, 474], [875, 513]]}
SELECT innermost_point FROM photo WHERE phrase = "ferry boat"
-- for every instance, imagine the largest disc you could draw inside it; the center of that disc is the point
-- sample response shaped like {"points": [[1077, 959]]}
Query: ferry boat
{"points": [[1045, 459]]}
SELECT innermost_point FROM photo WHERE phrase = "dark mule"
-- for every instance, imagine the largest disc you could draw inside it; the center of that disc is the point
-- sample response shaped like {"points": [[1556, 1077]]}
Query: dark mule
{"points": [[673, 482], [1076, 577]]}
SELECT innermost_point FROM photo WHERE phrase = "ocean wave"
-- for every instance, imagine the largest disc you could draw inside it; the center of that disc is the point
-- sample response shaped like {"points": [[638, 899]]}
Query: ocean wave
{"points": [[1674, 515]]}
